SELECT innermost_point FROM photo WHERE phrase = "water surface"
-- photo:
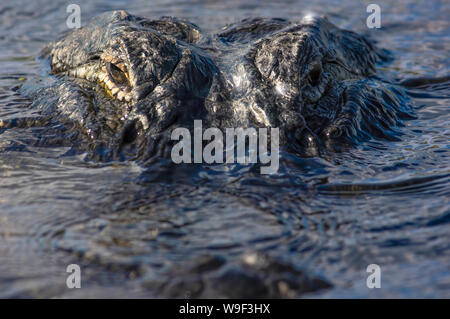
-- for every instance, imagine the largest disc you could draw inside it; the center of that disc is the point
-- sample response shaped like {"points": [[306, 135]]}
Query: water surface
{"points": [[382, 202]]}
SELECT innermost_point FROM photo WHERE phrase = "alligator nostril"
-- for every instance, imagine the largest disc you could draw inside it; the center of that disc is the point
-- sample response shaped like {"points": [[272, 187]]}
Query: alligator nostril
{"points": [[314, 74]]}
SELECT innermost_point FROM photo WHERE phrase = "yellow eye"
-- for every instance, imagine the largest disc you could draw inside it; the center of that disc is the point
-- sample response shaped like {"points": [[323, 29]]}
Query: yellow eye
{"points": [[118, 75]]}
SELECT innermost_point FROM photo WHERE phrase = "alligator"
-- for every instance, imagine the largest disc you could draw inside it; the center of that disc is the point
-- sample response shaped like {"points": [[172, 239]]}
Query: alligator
{"points": [[121, 83], [116, 88]]}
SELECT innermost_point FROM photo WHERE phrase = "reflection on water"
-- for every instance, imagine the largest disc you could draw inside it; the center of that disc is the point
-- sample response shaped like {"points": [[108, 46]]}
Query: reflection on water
{"points": [[132, 230]]}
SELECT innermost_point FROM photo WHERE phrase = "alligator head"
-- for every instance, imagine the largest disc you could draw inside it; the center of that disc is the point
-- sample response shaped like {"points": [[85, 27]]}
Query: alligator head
{"points": [[125, 81]]}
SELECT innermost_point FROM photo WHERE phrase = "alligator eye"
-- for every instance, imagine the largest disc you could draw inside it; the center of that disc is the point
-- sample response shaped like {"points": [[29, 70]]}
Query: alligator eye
{"points": [[117, 75]]}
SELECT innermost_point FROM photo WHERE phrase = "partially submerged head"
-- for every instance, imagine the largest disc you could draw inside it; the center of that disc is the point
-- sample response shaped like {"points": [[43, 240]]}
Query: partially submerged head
{"points": [[134, 78], [128, 56]]}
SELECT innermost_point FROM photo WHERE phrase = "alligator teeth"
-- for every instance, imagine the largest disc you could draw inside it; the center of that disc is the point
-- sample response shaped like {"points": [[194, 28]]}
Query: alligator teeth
{"points": [[102, 77], [121, 96], [115, 90], [81, 72], [89, 74], [109, 84]]}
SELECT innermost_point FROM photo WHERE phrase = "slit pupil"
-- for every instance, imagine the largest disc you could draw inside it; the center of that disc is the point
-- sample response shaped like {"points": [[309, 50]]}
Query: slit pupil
{"points": [[117, 75]]}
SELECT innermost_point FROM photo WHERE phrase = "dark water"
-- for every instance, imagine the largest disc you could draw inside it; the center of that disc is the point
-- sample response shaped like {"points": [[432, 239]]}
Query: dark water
{"points": [[382, 202]]}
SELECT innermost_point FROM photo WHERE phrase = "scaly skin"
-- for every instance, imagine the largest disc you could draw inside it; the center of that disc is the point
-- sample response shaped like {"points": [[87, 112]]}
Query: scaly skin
{"points": [[124, 82], [121, 83]]}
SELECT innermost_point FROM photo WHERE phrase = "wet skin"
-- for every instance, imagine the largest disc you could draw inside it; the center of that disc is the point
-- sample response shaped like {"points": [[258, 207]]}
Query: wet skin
{"points": [[123, 83]]}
